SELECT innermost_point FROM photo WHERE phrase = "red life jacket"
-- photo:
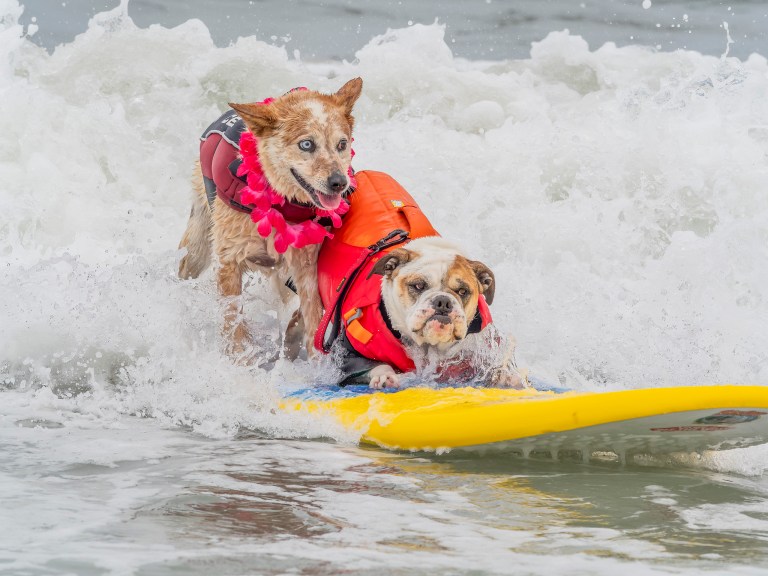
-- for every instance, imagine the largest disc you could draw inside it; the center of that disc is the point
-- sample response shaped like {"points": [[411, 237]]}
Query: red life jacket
{"points": [[381, 216], [219, 161]]}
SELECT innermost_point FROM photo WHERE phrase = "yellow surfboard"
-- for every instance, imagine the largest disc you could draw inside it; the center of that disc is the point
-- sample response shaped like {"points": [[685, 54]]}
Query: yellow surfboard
{"points": [[652, 420]]}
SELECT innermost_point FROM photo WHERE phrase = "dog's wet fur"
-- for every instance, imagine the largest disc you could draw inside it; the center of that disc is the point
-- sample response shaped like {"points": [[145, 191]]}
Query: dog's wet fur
{"points": [[304, 142]]}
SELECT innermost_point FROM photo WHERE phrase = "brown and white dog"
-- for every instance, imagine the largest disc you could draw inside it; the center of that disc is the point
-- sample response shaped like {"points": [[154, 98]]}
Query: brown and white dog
{"points": [[430, 292], [304, 147]]}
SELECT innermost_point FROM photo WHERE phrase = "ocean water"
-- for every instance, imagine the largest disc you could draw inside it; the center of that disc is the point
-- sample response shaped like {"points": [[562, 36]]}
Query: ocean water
{"points": [[479, 29], [618, 191]]}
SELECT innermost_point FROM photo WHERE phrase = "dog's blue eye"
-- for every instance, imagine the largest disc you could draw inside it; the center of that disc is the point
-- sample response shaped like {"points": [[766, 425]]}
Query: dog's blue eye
{"points": [[342, 146], [307, 145]]}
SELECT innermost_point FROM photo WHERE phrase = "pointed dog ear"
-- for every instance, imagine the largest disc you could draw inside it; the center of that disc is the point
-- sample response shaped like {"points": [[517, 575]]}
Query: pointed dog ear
{"points": [[349, 93], [261, 119], [485, 278], [391, 262]]}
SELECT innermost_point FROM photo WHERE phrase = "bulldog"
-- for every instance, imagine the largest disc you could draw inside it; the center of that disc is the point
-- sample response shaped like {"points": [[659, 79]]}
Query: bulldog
{"points": [[436, 300]]}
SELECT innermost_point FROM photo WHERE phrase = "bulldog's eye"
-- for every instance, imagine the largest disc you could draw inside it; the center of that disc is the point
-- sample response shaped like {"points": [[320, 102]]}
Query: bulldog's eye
{"points": [[342, 145], [462, 292], [419, 286], [307, 145]]}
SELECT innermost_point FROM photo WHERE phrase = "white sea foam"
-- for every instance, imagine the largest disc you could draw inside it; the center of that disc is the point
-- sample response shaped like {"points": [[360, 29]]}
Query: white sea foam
{"points": [[618, 194]]}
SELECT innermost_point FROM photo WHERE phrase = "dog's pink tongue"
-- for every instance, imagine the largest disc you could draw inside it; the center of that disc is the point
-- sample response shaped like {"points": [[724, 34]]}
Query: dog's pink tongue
{"points": [[330, 202]]}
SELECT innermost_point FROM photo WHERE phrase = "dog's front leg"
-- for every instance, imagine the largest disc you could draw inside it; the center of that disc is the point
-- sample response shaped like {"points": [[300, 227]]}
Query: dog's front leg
{"points": [[294, 336], [303, 266], [507, 375], [230, 283], [503, 371]]}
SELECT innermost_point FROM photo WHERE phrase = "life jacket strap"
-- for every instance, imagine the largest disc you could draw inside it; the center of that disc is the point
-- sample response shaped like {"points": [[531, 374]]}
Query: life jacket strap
{"points": [[354, 328], [330, 325]]}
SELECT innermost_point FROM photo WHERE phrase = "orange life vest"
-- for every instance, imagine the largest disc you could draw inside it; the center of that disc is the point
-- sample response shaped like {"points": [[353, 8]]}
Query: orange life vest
{"points": [[381, 216]]}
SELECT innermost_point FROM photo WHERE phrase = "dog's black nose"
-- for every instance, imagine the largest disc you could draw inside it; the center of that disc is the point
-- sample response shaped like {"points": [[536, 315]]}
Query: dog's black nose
{"points": [[337, 182], [442, 304]]}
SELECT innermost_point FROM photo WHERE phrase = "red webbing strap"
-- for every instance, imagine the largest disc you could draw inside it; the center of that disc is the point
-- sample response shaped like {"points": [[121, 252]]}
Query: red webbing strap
{"points": [[321, 340]]}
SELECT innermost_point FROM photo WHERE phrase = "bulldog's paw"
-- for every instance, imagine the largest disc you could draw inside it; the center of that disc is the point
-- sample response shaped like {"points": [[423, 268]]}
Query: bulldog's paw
{"points": [[506, 378], [383, 376]]}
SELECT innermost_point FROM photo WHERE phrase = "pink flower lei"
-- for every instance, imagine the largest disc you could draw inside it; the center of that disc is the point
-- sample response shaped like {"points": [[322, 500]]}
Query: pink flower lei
{"points": [[266, 202]]}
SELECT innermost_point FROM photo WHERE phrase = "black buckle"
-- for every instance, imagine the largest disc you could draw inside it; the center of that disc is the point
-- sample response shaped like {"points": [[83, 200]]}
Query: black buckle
{"points": [[395, 237]]}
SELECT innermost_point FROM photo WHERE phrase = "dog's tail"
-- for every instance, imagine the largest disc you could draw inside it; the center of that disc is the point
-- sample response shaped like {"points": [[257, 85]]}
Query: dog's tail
{"points": [[197, 237]]}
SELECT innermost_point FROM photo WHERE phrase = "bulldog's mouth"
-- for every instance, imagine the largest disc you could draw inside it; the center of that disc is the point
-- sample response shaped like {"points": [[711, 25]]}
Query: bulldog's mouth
{"points": [[435, 322], [320, 199], [441, 318], [442, 327]]}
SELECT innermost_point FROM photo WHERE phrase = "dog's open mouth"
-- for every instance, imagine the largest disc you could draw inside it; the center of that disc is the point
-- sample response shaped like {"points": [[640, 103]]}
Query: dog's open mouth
{"points": [[320, 199]]}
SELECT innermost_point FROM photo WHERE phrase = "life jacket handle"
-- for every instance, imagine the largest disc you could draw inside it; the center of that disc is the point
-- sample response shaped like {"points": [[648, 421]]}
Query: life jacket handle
{"points": [[330, 326], [394, 238]]}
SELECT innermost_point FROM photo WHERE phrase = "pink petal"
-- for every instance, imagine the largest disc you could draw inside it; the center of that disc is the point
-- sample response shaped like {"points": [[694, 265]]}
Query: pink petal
{"points": [[281, 244], [247, 196], [264, 227], [277, 220]]}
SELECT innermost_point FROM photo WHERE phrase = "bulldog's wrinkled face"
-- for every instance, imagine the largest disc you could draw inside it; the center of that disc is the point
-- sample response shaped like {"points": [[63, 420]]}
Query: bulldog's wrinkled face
{"points": [[431, 290], [305, 142]]}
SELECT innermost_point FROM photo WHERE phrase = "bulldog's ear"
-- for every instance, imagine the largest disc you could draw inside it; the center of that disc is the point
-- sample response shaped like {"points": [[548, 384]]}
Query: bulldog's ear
{"points": [[348, 94], [261, 119], [391, 262], [485, 278]]}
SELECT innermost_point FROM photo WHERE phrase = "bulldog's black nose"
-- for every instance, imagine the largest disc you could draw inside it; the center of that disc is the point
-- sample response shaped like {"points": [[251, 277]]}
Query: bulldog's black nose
{"points": [[337, 182], [442, 304]]}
